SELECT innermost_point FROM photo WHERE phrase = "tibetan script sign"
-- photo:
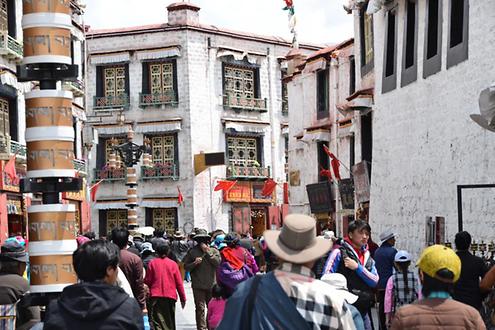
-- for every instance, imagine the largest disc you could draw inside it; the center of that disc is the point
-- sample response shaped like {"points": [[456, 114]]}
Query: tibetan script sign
{"points": [[361, 175], [240, 192], [346, 191]]}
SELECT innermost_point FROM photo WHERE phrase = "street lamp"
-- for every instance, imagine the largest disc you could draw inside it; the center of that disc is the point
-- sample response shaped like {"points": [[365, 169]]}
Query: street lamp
{"points": [[130, 153]]}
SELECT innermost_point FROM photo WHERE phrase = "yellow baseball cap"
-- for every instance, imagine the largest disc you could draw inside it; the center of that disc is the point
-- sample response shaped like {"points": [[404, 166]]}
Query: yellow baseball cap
{"points": [[438, 257]]}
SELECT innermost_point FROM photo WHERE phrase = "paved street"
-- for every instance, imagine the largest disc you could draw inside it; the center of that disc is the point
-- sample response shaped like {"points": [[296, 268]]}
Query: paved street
{"points": [[185, 319]]}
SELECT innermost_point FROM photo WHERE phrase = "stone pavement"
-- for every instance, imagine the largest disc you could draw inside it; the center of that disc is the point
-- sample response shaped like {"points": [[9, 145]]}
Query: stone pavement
{"points": [[185, 318]]}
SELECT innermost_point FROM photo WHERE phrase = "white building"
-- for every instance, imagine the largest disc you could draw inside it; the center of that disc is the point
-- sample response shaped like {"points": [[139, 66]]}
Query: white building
{"points": [[433, 58], [188, 88]]}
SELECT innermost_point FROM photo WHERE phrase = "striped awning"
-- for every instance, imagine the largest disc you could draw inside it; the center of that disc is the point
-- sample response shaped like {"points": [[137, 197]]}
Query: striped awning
{"points": [[159, 127], [165, 203], [110, 58], [239, 55], [247, 127], [158, 53], [111, 130], [109, 205]]}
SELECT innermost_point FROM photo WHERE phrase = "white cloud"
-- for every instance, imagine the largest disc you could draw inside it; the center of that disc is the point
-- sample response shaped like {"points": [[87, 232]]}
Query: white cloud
{"points": [[318, 21]]}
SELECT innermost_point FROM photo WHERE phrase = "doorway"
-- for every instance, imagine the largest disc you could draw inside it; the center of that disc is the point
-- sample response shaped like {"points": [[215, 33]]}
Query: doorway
{"points": [[258, 221]]}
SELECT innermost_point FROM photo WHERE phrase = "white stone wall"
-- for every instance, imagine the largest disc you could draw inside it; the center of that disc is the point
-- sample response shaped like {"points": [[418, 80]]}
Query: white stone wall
{"points": [[425, 144], [201, 109]]}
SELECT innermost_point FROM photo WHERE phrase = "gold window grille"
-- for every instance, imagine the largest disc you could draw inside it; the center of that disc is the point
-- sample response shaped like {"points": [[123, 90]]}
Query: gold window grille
{"points": [[368, 38], [109, 144], [165, 219], [4, 117], [116, 219], [77, 216], [239, 82], [242, 151], [163, 149], [4, 20], [161, 77], [114, 81]]}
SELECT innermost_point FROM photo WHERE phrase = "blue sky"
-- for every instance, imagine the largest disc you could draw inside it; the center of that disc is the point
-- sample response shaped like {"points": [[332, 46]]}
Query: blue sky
{"points": [[318, 21]]}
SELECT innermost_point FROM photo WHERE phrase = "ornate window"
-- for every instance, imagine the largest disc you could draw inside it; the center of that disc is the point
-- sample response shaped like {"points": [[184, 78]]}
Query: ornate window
{"points": [[161, 77], [114, 78], [4, 117], [243, 151], [4, 21], [116, 219], [239, 82], [164, 219], [366, 40], [163, 149]]}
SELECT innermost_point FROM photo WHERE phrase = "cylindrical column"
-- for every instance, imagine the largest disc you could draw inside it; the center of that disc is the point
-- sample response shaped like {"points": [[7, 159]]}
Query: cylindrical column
{"points": [[132, 218], [131, 176]]}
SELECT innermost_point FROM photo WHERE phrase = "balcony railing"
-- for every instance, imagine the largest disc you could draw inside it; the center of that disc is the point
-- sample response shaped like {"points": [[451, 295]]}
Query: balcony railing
{"points": [[18, 149], [76, 87], [10, 47], [80, 166], [109, 174], [244, 103], [159, 172], [149, 100], [247, 172], [108, 103]]}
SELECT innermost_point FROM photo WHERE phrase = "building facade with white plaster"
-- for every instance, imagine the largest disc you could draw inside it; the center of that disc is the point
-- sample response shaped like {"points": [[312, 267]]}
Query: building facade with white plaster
{"points": [[187, 88], [433, 59]]}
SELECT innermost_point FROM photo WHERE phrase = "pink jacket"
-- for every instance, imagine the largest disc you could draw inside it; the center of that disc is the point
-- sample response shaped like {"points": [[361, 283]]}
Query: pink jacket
{"points": [[215, 312], [164, 279], [389, 295]]}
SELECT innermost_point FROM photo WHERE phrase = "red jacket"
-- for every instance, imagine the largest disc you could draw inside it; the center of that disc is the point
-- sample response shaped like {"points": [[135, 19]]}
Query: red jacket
{"points": [[164, 279]]}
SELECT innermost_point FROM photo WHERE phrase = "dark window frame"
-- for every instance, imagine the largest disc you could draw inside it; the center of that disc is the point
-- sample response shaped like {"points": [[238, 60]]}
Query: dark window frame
{"points": [[352, 75], [259, 145], [323, 94], [389, 82], [460, 52], [433, 64], [410, 74], [176, 145], [323, 159], [244, 64], [145, 86], [100, 78], [366, 67]]}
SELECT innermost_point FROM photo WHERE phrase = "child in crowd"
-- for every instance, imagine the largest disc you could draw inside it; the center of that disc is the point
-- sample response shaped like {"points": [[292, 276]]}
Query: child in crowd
{"points": [[216, 306], [402, 287]]}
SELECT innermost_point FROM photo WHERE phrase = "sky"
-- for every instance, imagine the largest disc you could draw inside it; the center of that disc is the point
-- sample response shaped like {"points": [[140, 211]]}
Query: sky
{"points": [[318, 21]]}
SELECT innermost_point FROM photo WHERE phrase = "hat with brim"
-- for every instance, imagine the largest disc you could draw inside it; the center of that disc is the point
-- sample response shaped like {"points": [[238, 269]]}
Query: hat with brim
{"points": [[296, 242], [201, 233], [339, 283], [386, 235], [13, 251], [178, 235]]}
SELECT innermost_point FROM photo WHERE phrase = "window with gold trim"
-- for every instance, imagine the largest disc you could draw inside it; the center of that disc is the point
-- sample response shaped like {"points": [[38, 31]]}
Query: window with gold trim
{"points": [[116, 219], [243, 151], [239, 82], [161, 77], [164, 219], [4, 117], [114, 80], [162, 149]]}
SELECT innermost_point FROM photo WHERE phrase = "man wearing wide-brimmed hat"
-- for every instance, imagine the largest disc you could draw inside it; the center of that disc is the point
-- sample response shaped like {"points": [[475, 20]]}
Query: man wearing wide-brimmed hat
{"points": [[202, 262], [289, 297], [178, 250]]}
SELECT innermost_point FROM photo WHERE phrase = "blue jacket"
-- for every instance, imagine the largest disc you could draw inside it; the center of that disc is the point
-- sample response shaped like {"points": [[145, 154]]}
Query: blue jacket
{"points": [[384, 261]]}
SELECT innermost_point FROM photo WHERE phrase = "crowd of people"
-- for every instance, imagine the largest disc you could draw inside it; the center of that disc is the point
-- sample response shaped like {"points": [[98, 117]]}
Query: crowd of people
{"points": [[287, 279]]}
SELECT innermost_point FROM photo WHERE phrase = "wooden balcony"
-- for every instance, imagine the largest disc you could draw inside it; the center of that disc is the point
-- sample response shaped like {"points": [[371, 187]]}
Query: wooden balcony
{"points": [[111, 103], [109, 174], [160, 172], [10, 47], [247, 172], [159, 99], [244, 103]]}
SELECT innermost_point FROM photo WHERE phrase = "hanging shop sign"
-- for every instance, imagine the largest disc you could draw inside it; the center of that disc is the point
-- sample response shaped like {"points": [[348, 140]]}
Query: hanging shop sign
{"points": [[346, 191], [361, 176], [247, 192], [320, 197]]}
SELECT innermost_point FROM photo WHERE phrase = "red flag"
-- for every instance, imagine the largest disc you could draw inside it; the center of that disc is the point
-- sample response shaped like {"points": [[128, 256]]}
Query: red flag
{"points": [[268, 187], [93, 190], [10, 169], [180, 198], [224, 185], [334, 162], [326, 173]]}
